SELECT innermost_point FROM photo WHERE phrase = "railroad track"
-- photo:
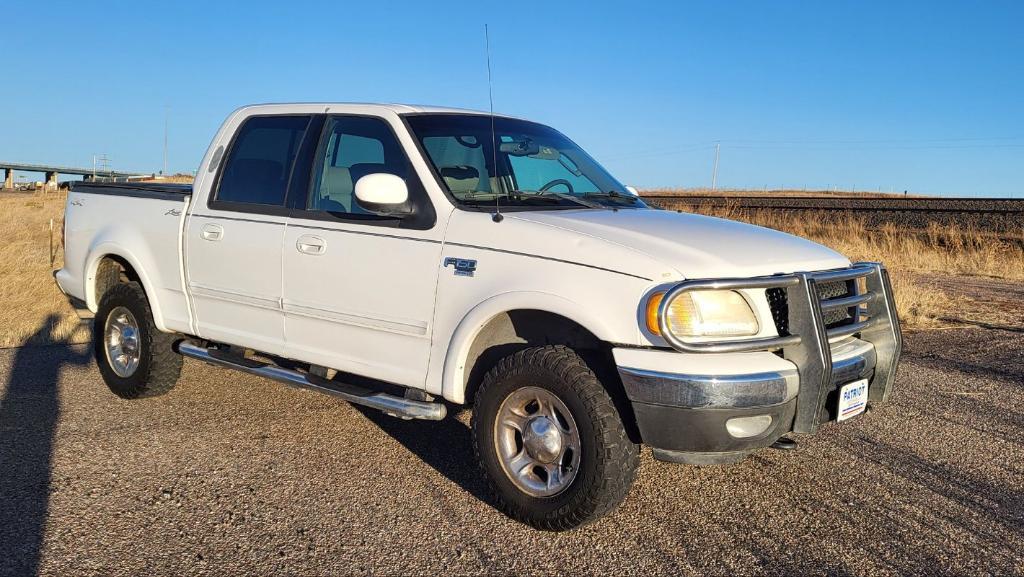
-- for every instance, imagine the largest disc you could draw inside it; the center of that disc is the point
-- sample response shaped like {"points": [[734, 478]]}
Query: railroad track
{"points": [[995, 215]]}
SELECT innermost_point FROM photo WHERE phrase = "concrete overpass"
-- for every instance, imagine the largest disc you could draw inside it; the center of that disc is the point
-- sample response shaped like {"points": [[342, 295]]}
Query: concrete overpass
{"points": [[52, 172]]}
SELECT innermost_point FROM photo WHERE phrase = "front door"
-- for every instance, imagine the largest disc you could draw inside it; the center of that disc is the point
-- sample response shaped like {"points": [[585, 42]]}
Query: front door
{"points": [[233, 244], [359, 288]]}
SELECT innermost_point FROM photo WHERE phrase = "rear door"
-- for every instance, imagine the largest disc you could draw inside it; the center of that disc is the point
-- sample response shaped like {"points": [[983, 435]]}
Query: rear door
{"points": [[359, 288], [233, 244]]}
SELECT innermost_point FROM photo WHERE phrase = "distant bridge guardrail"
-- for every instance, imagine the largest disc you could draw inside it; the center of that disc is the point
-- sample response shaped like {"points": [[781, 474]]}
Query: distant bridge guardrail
{"points": [[53, 171]]}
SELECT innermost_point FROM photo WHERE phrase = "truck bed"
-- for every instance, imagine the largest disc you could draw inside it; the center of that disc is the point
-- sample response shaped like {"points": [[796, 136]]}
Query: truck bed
{"points": [[139, 222], [160, 190]]}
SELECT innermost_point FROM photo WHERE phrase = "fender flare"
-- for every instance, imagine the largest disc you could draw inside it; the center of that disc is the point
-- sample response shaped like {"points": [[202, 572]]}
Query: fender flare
{"points": [[104, 248], [453, 375]]}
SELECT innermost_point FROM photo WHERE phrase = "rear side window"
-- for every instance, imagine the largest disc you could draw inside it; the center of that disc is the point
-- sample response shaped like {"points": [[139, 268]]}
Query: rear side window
{"points": [[260, 161]]}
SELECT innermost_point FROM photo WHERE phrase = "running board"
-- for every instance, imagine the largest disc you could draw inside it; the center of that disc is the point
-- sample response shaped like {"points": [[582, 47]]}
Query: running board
{"points": [[391, 404]]}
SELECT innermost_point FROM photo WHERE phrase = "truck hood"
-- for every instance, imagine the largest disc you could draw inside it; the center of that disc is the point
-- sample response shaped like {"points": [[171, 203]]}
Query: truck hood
{"points": [[696, 246]]}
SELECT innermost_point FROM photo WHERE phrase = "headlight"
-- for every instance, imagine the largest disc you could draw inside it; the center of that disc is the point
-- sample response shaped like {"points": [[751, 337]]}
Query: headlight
{"points": [[703, 313]]}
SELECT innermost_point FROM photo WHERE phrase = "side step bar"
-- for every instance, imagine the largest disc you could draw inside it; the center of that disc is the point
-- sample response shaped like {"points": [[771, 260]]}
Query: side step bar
{"points": [[391, 404]]}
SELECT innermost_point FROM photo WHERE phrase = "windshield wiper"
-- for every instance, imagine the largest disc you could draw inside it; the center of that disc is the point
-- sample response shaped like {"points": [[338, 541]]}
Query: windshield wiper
{"points": [[551, 195], [546, 196], [481, 197], [614, 195]]}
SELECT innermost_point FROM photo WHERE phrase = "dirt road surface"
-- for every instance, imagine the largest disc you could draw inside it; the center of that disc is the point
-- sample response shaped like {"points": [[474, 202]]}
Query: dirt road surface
{"points": [[230, 474]]}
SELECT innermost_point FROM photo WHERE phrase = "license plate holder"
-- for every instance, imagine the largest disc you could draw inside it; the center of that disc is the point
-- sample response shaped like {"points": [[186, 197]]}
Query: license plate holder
{"points": [[853, 399]]}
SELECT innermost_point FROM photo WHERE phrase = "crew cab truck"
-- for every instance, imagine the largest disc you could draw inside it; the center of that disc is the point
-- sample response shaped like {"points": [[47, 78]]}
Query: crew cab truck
{"points": [[409, 258]]}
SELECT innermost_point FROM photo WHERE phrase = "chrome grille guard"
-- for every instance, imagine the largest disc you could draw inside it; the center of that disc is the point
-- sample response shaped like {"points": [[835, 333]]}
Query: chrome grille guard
{"points": [[874, 319]]}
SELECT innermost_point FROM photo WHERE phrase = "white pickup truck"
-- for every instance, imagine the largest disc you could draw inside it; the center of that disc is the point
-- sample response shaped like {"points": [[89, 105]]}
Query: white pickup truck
{"points": [[438, 256]]}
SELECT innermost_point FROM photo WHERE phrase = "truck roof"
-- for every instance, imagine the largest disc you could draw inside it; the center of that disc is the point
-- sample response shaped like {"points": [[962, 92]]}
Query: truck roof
{"points": [[355, 107]]}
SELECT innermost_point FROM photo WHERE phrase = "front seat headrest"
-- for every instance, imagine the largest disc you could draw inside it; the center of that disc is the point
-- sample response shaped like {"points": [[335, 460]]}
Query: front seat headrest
{"points": [[461, 178]]}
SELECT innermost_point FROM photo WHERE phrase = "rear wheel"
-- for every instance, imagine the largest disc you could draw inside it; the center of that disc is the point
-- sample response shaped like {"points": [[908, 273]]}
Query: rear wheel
{"points": [[135, 358], [550, 440]]}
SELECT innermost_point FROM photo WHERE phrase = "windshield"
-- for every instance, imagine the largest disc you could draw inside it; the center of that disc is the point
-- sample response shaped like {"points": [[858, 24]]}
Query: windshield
{"points": [[537, 167]]}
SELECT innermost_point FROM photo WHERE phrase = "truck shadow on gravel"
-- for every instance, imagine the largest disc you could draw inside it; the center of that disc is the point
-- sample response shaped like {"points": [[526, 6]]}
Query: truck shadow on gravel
{"points": [[453, 458], [29, 410], [983, 352], [999, 503]]}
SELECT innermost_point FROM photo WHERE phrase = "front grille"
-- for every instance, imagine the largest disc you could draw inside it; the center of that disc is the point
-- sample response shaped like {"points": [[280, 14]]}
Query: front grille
{"points": [[779, 305], [835, 290], [863, 290], [832, 290]]}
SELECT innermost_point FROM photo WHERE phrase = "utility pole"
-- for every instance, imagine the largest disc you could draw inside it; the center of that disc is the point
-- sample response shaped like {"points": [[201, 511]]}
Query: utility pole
{"points": [[167, 114], [105, 165], [714, 174]]}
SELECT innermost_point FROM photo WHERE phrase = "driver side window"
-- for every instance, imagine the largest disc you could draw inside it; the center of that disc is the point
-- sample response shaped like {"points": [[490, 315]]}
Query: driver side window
{"points": [[351, 148]]}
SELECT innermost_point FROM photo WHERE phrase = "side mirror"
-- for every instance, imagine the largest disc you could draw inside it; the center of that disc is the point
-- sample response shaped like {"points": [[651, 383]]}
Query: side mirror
{"points": [[383, 194], [632, 190]]}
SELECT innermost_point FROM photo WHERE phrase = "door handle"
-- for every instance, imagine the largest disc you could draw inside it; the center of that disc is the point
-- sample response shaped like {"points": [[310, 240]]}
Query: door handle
{"points": [[309, 244], [212, 232]]}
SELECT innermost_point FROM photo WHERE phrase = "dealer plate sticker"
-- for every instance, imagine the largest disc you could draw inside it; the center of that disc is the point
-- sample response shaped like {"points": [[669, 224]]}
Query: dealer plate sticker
{"points": [[853, 398]]}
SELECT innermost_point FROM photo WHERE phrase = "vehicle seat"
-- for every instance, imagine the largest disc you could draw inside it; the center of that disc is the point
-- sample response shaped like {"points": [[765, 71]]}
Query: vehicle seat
{"points": [[361, 169], [336, 189], [461, 179]]}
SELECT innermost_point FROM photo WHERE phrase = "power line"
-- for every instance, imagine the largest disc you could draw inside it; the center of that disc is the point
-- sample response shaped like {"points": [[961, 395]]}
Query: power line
{"points": [[167, 115], [817, 145], [873, 147], [871, 140], [661, 152], [714, 174]]}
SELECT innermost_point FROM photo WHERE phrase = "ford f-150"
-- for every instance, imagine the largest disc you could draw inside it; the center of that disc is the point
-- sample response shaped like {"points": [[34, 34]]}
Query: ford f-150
{"points": [[412, 258]]}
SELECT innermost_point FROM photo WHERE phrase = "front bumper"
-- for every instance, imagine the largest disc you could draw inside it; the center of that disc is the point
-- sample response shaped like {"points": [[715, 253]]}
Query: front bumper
{"points": [[717, 402]]}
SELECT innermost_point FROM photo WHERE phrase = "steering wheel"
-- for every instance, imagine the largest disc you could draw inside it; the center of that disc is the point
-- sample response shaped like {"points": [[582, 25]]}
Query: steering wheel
{"points": [[556, 182]]}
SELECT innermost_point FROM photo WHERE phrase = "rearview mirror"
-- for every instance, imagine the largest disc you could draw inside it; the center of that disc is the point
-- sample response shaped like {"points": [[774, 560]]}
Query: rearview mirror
{"points": [[519, 148], [383, 194], [633, 191]]}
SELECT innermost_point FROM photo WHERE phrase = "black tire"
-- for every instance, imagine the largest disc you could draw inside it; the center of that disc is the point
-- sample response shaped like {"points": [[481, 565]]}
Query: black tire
{"points": [[608, 459], [158, 367]]}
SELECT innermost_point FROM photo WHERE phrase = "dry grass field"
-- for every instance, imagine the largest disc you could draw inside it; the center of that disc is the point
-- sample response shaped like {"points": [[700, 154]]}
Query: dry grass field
{"points": [[776, 192], [910, 255], [32, 310]]}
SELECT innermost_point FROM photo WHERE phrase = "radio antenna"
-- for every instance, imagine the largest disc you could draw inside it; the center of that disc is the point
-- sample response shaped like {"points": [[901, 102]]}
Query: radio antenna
{"points": [[496, 217]]}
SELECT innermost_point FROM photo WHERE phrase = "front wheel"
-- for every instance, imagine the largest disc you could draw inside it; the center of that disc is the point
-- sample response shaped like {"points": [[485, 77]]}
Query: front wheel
{"points": [[550, 440]]}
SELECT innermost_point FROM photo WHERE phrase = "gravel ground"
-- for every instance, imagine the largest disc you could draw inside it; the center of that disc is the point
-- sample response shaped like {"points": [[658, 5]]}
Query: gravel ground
{"points": [[994, 303], [229, 474]]}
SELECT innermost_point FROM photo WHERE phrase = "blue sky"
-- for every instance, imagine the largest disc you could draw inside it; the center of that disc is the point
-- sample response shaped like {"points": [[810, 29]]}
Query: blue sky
{"points": [[925, 96]]}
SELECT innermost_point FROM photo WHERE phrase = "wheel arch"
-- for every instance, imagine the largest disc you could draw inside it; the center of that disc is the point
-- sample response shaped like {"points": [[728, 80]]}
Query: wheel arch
{"points": [[504, 323], [107, 258]]}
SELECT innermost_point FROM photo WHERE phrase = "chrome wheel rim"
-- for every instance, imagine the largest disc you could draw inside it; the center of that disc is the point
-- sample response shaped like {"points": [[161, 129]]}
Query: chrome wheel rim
{"points": [[121, 337], [537, 442]]}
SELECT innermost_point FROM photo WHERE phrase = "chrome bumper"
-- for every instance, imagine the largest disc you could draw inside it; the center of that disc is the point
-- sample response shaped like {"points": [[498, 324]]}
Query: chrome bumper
{"points": [[819, 366], [709, 391], [852, 359]]}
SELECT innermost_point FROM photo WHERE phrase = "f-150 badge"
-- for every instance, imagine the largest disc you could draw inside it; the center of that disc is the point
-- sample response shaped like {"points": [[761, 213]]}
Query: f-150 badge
{"points": [[463, 266]]}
